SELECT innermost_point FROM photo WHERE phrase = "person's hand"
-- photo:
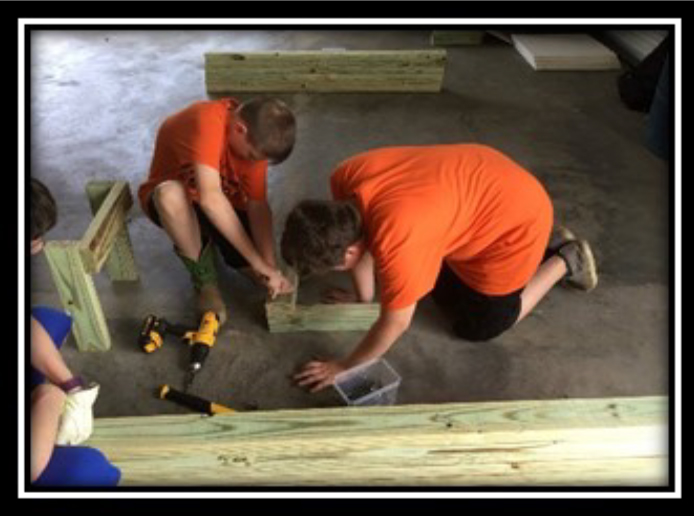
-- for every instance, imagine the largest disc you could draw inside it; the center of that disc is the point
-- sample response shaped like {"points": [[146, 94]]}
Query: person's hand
{"points": [[338, 295], [318, 374], [277, 283], [77, 419], [287, 287], [273, 281], [253, 275]]}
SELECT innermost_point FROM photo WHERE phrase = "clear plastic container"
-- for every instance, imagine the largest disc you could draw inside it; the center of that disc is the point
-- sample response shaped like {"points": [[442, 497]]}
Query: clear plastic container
{"points": [[371, 383]]}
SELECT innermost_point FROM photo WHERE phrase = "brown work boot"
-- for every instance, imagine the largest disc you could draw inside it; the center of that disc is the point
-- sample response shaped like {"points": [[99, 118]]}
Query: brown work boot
{"points": [[203, 274], [582, 270]]}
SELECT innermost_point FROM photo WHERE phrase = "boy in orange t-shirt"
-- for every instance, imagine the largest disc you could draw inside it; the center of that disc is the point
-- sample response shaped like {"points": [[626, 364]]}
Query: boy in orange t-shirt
{"points": [[207, 187], [461, 221]]}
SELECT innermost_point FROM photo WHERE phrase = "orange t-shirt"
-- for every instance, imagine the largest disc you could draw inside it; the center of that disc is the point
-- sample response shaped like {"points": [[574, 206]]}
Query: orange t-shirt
{"points": [[199, 134], [467, 204]]}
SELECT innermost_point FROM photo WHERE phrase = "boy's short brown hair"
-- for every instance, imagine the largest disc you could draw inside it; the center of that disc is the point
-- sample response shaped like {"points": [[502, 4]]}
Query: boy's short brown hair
{"points": [[44, 213], [271, 127], [317, 233]]}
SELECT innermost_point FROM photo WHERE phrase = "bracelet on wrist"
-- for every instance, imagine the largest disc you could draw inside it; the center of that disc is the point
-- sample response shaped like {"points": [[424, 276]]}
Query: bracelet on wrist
{"points": [[71, 384]]}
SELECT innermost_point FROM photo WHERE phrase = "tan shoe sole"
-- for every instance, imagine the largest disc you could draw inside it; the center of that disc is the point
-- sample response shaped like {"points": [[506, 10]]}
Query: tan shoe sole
{"points": [[592, 269]]}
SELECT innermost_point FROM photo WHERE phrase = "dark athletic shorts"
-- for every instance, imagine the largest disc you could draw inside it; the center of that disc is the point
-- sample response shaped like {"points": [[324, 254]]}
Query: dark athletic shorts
{"points": [[208, 231], [475, 316]]}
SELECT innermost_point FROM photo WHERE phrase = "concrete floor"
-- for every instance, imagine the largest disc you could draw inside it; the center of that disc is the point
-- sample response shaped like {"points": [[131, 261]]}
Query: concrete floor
{"points": [[97, 99]]}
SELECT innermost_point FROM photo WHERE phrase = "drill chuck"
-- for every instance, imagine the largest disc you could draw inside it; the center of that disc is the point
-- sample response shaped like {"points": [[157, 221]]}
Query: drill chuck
{"points": [[198, 354]]}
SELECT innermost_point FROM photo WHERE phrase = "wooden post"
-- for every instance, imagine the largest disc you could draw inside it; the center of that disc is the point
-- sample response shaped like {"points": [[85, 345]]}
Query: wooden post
{"points": [[107, 237], [78, 295], [325, 71], [583, 442]]}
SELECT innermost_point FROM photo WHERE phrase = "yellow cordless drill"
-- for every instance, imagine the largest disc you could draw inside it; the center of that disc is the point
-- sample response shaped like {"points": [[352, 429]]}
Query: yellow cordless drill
{"points": [[201, 342], [153, 331]]}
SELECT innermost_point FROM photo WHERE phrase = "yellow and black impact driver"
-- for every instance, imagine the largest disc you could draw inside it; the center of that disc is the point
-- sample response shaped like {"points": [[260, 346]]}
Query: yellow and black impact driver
{"points": [[201, 342], [153, 331]]}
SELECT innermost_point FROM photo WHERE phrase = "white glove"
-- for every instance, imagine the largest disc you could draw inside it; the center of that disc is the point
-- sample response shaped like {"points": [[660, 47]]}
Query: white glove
{"points": [[76, 420]]}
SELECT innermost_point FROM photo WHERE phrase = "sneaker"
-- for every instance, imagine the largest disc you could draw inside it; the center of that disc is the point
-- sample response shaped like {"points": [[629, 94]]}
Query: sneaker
{"points": [[560, 235], [582, 270]]}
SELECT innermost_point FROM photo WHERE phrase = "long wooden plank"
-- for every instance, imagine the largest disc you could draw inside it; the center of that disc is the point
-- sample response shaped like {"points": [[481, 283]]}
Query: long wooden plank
{"points": [[78, 295], [107, 225], [288, 317], [325, 71], [284, 314], [613, 442]]}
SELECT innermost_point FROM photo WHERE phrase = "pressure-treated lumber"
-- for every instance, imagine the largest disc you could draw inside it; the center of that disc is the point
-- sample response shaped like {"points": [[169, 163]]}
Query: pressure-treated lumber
{"points": [[73, 262], [78, 295], [285, 317], [608, 442], [107, 239], [284, 314], [325, 71]]}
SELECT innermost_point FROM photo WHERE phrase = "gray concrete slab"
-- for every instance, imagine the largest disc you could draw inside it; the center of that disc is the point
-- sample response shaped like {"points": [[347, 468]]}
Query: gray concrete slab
{"points": [[97, 99]]}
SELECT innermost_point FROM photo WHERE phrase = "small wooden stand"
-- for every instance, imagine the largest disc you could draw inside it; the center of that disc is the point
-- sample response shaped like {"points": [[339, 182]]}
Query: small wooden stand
{"points": [[72, 263]]}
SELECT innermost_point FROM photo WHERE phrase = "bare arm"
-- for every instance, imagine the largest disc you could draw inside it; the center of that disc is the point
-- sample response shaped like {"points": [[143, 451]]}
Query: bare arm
{"points": [[363, 282], [390, 325], [47, 403], [222, 214], [382, 335], [363, 278], [45, 356], [260, 218]]}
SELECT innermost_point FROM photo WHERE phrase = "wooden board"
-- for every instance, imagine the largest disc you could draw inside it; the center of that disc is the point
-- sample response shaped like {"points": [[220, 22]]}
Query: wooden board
{"points": [[78, 295], [288, 317], [284, 314], [587, 442], [565, 52], [325, 71], [72, 263], [107, 228], [107, 237]]}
